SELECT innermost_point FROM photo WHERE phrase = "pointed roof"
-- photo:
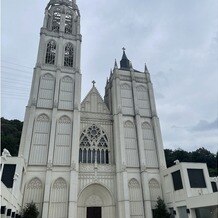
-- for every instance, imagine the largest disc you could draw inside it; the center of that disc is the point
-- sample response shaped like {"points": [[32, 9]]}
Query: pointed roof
{"points": [[93, 102], [124, 63]]}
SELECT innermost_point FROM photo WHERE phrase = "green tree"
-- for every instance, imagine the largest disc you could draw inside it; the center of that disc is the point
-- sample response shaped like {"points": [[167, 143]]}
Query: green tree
{"points": [[10, 135], [30, 211], [160, 210]]}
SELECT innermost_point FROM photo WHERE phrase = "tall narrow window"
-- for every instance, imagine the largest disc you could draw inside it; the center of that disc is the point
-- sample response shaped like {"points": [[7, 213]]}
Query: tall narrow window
{"points": [[80, 155], [68, 55], [58, 199], [50, 53], [56, 20], [89, 156], [94, 146], [98, 156], [68, 23]]}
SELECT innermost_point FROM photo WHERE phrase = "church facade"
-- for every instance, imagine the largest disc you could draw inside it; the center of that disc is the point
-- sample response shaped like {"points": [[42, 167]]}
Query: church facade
{"points": [[97, 158], [100, 157]]}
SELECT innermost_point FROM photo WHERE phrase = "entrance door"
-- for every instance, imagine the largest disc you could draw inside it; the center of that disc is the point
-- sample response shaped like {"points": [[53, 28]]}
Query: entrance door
{"points": [[93, 212]]}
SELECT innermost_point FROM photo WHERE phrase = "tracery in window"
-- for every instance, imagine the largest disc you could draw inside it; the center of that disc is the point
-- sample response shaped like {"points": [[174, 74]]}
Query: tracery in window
{"points": [[56, 20], [50, 52], [94, 146], [68, 55], [68, 23]]}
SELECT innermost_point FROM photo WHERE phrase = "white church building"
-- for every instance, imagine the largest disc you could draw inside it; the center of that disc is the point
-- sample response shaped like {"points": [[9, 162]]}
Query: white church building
{"points": [[100, 157]]}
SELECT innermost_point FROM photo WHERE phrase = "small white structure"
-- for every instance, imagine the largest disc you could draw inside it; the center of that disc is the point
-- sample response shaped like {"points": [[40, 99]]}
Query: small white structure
{"points": [[189, 192], [99, 157]]}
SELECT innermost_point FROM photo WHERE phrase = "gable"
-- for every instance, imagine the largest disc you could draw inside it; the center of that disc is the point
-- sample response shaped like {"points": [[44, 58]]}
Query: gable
{"points": [[93, 102]]}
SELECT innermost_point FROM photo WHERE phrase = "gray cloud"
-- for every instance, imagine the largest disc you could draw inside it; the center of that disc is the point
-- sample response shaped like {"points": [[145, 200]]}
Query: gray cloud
{"points": [[177, 39], [205, 125]]}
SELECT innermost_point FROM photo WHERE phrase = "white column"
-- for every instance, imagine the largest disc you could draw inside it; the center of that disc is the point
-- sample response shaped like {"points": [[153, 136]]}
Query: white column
{"points": [[35, 86], [73, 193], [28, 137], [77, 58], [60, 52], [52, 137], [123, 205], [77, 91], [45, 22], [144, 174], [45, 208], [41, 51], [159, 143]]}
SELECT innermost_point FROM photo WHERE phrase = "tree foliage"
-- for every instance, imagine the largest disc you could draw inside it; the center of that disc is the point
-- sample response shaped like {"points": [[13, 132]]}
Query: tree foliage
{"points": [[160, 210], [30, 211], [201, 155], [10, 135]]}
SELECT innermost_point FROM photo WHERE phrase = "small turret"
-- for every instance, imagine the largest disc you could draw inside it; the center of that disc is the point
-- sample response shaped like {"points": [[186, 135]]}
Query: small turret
{"points": [[115, 64]]}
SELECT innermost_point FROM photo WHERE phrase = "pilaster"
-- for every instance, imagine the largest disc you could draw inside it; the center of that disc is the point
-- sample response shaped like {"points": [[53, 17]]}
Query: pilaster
{"points": [[45, 207], [74, 166], [29, 132], [121, 173]]}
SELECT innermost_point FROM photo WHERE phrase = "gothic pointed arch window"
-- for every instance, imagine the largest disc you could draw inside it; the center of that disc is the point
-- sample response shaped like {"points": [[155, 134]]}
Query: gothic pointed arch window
{"points": [[62, 151], [50, 52], [131, 144], [155, 191], [136, 201], [40, 140], [94, 146], [68, 55], [34, 193], [59, 199], [56, 20], [149, 145], [68, 23]]}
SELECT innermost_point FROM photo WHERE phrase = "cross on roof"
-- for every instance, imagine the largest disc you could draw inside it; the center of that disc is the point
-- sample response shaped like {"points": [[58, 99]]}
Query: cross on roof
{"points": [[124, 49], [93, 82]]}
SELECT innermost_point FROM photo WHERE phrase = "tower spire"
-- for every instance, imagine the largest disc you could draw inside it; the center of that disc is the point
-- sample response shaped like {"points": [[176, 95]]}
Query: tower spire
{"points": [[124, 63]]}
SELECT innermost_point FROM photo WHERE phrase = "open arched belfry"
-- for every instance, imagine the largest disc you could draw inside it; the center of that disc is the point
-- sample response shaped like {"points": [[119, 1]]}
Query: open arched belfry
{"points": [[96, 158]]}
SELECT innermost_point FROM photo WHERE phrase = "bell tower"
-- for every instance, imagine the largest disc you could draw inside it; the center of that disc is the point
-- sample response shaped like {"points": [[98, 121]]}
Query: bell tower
{"points": [[50, 136], [139, 153]]}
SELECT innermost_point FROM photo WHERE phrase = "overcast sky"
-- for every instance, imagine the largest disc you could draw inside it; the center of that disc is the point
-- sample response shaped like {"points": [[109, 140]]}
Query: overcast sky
{"points": [[178, 39]]}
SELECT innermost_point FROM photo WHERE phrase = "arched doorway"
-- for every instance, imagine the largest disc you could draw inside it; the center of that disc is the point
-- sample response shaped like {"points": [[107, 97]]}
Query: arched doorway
{"points": [[96, 201]]}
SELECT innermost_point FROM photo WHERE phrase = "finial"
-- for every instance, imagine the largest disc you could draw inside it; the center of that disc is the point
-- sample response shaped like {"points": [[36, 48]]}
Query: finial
{"points": [[130, 65], [146, 69], [115, 64], [124, 49], [93, 82]]}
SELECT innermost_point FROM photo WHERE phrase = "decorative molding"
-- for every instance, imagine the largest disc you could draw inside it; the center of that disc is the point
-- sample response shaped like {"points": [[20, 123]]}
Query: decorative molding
{"points": [[43, 118], [143, 168], [64, 120], [125, 78], [94, 201], [123, 168], [34, 184], [60, 184], [140, 80], [90, 168], [67, 79], [91, 115], [55, 104], [34, 102], [73, 166], [133, 183], [146, 125], [49, 165], [128, 124]]}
